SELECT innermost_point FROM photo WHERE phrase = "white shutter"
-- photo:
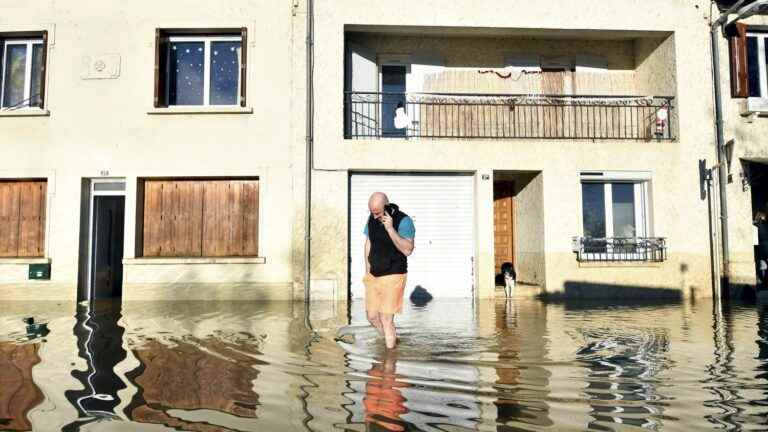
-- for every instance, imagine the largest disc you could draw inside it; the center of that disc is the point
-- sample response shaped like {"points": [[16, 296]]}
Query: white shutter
{"points": [[442, 208], [362, 75], [422, 69], [362, 71]]}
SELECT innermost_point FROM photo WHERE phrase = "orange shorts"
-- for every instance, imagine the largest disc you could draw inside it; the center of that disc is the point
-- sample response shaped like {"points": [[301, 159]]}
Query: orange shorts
{"points": [[384, 294]]}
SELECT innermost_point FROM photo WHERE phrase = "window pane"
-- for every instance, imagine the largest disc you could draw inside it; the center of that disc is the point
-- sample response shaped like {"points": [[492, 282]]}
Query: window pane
{"points": [[14, 69], [623, 210], [765, 42], [37, 65], [185, 77], [225, 73], [753, 67], [593, 207]]}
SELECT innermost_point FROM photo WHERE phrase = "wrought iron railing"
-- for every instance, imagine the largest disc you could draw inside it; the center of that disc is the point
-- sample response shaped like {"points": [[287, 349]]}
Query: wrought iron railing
{"points": [[500, 116], [628, 249]]}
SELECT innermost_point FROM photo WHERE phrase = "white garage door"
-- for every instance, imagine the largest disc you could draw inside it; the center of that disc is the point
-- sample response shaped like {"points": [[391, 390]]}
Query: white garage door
{"points": [[443, 211]]}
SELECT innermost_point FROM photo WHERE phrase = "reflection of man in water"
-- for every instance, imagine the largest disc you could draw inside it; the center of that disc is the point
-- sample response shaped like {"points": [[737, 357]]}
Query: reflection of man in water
{"points": [[389, 241], [384, 404]]}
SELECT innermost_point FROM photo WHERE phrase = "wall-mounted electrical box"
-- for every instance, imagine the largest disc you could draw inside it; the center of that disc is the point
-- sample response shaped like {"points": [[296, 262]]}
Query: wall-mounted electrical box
{"points": [[40, 271]]}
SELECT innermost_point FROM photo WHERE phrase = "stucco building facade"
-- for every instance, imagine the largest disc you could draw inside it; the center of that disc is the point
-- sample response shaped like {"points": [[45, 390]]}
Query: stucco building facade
{"points": [[578, 168], [743, 81], [563, 139], [158, 182]]}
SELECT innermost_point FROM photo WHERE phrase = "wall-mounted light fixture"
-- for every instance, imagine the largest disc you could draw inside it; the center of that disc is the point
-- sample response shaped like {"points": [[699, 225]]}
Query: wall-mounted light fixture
{"points": [[729, 152]]}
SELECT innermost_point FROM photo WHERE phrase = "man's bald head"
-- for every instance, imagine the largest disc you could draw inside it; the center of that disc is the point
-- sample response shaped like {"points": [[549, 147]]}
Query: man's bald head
{"points": [[376, 204]]}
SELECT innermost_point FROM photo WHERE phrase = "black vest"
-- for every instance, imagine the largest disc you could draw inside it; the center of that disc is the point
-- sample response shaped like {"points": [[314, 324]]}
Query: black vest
{"points": [[384, 257]]}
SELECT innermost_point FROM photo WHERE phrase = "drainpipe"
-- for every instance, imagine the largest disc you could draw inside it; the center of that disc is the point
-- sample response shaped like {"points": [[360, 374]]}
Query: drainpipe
{"points": [[722, 169], [309, 155], [720, 150]]}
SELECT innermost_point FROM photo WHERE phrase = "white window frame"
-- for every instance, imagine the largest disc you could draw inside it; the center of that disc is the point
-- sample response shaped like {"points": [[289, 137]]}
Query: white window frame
{"points": [[30, 43], [392, 60], [206, 66], [93, 192], [762, 41], [642, 192]]}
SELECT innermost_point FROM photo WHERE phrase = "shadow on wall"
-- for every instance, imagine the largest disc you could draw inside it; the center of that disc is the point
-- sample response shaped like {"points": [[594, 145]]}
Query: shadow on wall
{"points": [[573, 290]]}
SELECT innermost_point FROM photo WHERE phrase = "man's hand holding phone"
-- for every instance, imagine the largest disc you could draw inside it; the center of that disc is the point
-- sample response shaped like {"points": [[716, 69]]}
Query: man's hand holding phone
{"points": [[386, 219]]}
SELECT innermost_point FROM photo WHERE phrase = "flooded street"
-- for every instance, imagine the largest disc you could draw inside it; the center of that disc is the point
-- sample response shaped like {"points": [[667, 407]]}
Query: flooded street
{"points": [[460, 366]]}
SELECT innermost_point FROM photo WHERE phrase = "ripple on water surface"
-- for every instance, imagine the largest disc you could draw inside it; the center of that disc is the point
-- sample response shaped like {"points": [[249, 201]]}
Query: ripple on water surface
{"points": [[460, 365]]}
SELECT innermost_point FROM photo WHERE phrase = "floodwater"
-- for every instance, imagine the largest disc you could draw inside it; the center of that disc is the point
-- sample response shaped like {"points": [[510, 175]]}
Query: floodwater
{"points": [[460, 366]]}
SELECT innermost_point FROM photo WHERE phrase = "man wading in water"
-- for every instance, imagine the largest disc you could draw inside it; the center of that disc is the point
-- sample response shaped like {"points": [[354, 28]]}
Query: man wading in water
{"points": [[389, 241]]}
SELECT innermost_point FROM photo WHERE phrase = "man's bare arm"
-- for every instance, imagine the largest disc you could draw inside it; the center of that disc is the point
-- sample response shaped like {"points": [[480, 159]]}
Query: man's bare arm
{"points": [[366, 254], [404, 245]]}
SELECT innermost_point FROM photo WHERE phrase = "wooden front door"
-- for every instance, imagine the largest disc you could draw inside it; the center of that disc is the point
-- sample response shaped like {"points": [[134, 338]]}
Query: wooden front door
{"points": [[503, 222]]}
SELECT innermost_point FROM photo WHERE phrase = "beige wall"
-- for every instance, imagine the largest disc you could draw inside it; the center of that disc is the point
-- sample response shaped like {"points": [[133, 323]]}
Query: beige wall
{"points": [[674, 45], [750, 143], [529, 230], [110, 125], [462, 58]]}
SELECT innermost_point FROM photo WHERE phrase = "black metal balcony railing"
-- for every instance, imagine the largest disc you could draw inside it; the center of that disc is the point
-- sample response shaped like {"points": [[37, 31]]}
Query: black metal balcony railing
{"points": [[620, 249], [500, 116]]}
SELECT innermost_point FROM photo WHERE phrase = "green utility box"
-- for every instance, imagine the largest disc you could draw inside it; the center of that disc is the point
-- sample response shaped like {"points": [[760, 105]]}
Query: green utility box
{"points": [[40, 271]]}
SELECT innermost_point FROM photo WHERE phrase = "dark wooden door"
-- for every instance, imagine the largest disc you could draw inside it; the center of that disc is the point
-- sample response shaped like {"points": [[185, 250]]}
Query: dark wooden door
{"points": [[108, 223], [503, 222]]}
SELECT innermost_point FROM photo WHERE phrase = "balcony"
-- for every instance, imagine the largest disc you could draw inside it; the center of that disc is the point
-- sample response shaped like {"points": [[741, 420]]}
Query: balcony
{"points": [[620, 249], [372, 115], [479, 83]]}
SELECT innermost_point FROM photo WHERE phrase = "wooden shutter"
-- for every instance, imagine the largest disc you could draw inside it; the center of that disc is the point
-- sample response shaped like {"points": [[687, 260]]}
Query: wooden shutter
{"points": [[161, 61], [43, 69], [183, 210], [31, 219], [9, 219], [191, 218], [230, 221], [153, 208], [737, 43], [243, 65], [22, 219], [251, 218], [172, 218]]}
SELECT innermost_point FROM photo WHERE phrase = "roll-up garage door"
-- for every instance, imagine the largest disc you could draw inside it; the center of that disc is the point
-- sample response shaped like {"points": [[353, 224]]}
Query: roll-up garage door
{"points": [[443, 211]]}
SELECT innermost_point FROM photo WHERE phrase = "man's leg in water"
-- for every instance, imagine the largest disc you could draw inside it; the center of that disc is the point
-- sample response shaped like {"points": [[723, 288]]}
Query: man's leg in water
{"points": [[388, 325], [375, 319]]}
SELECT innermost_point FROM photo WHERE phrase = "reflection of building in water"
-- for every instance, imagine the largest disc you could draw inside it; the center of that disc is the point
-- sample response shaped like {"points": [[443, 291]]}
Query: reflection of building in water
{"points": [[100, 344], [195, 384], [521, 390], [18, 392], [621, 369]]}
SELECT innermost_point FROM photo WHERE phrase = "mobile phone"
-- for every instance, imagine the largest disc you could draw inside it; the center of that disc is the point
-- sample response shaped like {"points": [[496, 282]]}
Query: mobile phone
{"points": [[389, 209]]}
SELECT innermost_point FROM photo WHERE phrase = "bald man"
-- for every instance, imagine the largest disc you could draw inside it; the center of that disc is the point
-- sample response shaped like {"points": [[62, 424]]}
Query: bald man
{"points": [[389, 236]]}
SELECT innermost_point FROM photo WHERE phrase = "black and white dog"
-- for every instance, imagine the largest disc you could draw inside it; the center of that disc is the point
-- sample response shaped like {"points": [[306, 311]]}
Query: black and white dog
{"points": [[508, 271]]}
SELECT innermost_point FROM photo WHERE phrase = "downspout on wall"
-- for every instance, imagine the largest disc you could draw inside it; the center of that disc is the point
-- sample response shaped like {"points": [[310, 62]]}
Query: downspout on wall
{"points": [[722, 169], [309, 162]]}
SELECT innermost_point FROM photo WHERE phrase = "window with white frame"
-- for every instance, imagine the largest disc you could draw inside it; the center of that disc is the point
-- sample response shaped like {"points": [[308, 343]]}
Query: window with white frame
{"points": [[757, 64], [615, 206], [22, 73], [200, 69]]}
